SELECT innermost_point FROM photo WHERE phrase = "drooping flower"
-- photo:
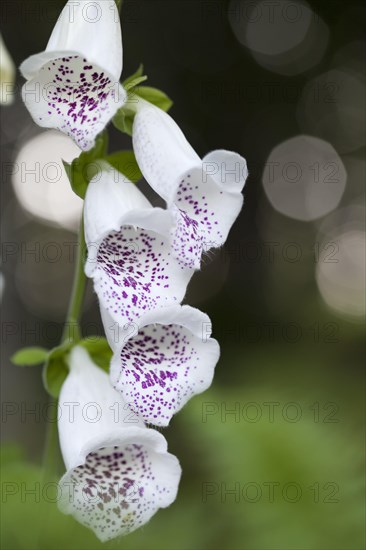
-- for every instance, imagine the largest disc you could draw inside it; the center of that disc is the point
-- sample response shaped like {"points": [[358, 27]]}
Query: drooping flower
{"points": [[73, 85], [205, 196], [129, 250], [165, 361], [119, 472]]}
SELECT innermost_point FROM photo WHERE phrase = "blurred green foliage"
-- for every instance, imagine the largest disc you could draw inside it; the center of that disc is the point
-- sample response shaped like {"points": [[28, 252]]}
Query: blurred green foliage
{"points": [[255, 476]]}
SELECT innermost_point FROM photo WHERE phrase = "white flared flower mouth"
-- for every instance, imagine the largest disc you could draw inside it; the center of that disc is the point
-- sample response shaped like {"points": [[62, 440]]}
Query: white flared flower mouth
{"points": [[204, 196], [73, 96], [129, 253], [73, 86], [122, 483], [119, 473], [168, 361]]}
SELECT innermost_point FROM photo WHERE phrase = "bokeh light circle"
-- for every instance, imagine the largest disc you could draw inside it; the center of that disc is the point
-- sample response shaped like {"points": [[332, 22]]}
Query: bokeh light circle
{"points": [[269, 27], [332, 106], [304, 178], [285, 36], [341, 276]]}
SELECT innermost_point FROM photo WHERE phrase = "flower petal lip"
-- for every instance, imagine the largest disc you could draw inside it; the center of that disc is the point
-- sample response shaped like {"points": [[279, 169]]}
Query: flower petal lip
{"points": [[227, 169], [74, 96], [208, 206], [123, 481], [169, 360], [109, 198], [88, 29], [108, 458], [112, 201], [136, 271], [187, 316]]}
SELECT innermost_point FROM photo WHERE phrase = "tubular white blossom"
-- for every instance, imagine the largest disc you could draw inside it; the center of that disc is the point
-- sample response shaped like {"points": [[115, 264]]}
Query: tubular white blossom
{"points": [[73, 85], [129, 250], [119, 473], [204, 196], [168, 360]]}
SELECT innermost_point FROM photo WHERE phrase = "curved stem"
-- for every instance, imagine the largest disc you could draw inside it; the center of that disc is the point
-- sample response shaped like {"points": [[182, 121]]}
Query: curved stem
{"points": [[71, 333], [52, 463], [72, 328], [52, 470], [51, 455]]}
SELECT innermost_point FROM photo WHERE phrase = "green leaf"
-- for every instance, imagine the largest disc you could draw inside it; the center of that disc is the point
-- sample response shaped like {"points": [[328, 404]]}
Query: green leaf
{"points": [[154, 96], [99, 350], [56, 369], [85, 167], [130, 81], [125, 162], [28, 357], [135, 82]]}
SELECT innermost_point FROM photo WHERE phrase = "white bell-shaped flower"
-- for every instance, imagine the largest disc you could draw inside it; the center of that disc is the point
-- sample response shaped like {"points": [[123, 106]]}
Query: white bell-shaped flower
{"points": [[205, 196], [73, 85], [159, 364], [129, 249], [119, 472]]}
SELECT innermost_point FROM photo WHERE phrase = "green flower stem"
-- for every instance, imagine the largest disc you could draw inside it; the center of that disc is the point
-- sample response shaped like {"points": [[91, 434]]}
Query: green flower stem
{"points": [[72, 333], [72, 330], [52, 463], [52, 471]]}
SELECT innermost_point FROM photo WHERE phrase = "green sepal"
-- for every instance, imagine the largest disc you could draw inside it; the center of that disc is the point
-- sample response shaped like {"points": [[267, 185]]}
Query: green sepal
{"points": [[85, 167], [154, 96], [135, 82], [123, 119], [56, 369], [135, 79], [99, 350], [28, 357], [125, 162]]}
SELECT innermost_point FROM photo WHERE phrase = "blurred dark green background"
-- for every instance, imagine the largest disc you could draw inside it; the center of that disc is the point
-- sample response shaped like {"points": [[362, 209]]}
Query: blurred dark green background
{"points": [[273, 453]]}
